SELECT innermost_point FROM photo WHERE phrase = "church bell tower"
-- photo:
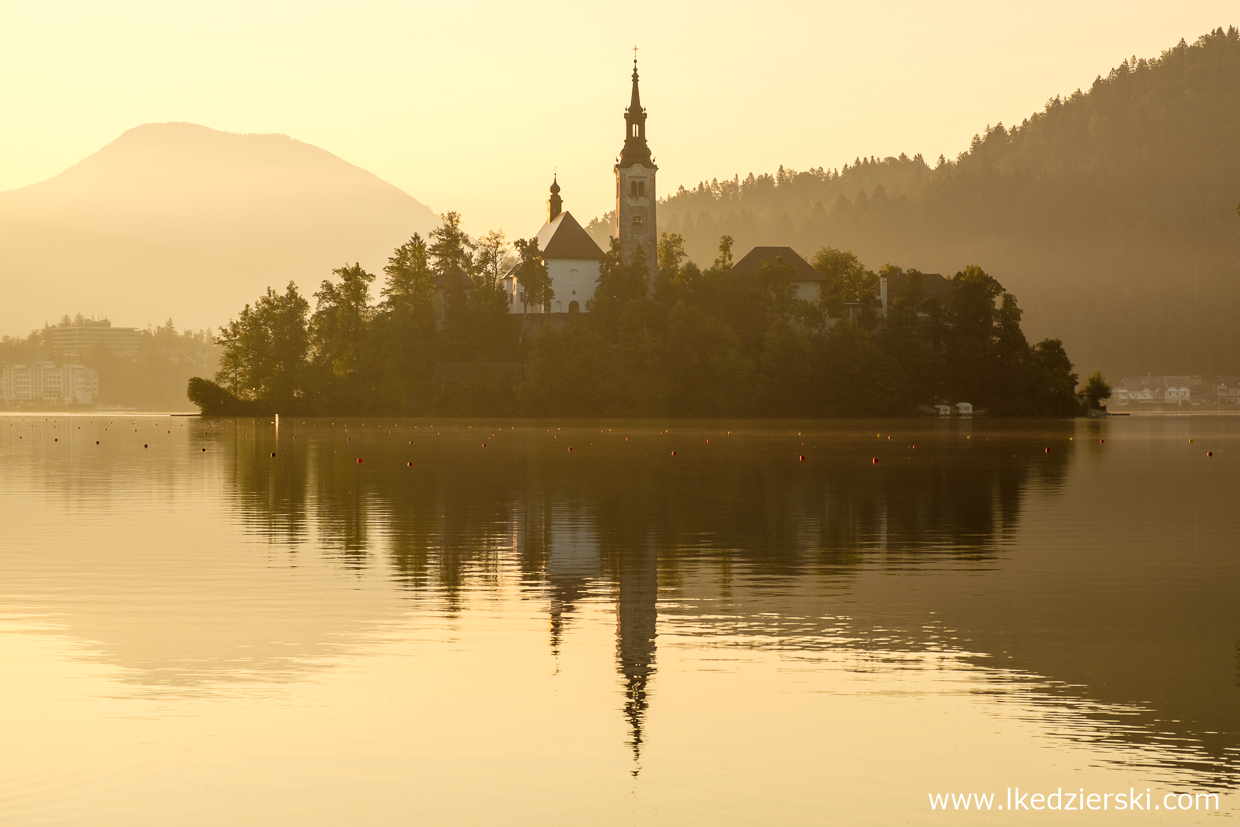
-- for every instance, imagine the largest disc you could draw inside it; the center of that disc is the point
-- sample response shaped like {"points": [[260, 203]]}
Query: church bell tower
{"points": [[635, 191]]}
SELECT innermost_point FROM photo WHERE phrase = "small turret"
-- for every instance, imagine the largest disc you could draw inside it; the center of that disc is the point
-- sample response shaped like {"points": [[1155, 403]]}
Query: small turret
{"points": [[556, 203]]}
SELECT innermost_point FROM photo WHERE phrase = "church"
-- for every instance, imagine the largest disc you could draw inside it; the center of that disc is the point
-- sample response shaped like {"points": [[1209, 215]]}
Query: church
{"points": [[571, 256]]}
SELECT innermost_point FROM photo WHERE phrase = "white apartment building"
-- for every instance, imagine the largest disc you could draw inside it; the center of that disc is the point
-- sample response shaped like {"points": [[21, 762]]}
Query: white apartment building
{"points": [[48, 383]]}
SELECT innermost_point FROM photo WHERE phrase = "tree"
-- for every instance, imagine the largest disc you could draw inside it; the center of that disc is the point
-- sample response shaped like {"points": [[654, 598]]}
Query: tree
{"points": [[490, 301], [1096, 390], [707, 375], [571, 372], [532, 275], [619, 284], [491, 260], [265, 349], [404, 325], [724, 262], [677, 276], [847, 279], [410, 285], [970, 334], [450, 245], [338, 326]]}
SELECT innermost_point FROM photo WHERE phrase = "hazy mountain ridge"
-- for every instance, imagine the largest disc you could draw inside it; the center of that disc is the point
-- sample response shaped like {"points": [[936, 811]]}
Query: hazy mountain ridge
{"points": [[179, 220], [1111, 214]]}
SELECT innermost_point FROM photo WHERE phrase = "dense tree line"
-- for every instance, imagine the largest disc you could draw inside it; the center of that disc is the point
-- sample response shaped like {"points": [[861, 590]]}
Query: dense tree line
{"points": [[351, 354], [680, 342], [1112, 212], [705, 343]]}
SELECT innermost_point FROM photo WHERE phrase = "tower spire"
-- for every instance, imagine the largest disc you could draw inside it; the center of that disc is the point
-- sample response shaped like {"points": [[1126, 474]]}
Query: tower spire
{"points": [[556, 204], [635, 105], [636, 199], [635, 150]]}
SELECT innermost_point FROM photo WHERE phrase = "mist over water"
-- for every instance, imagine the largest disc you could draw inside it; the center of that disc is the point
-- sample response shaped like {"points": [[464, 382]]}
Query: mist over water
{"points": [[214, 619]]}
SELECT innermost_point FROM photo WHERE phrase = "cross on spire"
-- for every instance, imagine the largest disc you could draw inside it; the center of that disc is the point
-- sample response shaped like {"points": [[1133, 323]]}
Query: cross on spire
{"points": [[635, 55]]}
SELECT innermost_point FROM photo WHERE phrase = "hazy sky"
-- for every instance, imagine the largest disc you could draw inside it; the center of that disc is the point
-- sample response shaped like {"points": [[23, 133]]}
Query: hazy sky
{"points": [[470, 105]]}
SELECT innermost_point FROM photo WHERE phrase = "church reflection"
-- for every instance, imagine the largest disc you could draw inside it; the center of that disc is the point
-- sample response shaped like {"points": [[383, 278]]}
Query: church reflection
{"points": [[742, 531], [566, 540], [445, 517]]}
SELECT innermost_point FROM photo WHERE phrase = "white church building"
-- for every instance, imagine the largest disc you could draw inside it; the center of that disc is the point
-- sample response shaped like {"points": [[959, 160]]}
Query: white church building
{"points": [[572, 257], [572, 260]]}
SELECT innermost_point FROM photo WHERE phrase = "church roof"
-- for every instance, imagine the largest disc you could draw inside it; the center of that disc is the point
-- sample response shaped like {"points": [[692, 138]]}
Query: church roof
{"points": [[563, 238], [751, 264]]}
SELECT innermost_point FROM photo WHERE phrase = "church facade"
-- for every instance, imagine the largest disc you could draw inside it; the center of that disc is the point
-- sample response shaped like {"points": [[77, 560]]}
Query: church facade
{"points": [[572, 257]]}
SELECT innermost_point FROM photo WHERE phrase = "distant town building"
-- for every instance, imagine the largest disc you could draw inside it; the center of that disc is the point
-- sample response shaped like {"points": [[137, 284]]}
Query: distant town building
{"points": [[45, 383], [74, 341], [1178, 389], [1227, 390], [1145, 390]]}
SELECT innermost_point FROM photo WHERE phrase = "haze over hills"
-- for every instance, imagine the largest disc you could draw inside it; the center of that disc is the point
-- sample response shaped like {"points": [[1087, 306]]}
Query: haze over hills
{"points": [[1111, 214], [179, 220]]}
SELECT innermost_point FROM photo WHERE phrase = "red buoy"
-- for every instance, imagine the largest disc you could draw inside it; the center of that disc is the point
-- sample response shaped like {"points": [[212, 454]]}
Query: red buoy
{"points": [[144, 445], [673, 453], [1046, 450], [802, 457], [410, 464], [570, 447], [1209, 453], [204, 450], [359, 460], [875, 460], [273, 453]]}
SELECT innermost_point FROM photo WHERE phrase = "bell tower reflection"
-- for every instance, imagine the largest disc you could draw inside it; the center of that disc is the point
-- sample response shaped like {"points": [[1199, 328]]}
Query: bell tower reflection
{"points": [[636, 621]]}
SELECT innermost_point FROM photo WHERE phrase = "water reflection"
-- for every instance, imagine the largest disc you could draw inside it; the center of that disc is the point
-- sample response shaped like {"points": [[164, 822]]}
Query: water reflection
{"points": [[1092, 583], [621, 508]]}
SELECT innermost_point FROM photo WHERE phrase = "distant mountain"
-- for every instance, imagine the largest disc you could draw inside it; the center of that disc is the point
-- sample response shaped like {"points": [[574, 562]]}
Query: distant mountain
{"points": [[178, 220], [1111, 214]]}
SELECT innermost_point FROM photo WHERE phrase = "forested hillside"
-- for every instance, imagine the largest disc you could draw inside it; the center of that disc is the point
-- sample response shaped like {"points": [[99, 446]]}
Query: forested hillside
{"points": [[1111, 214]]}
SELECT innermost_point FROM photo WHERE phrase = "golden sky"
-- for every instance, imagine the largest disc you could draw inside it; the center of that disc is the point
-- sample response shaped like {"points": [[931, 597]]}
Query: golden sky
{"points": [[471, 105]]}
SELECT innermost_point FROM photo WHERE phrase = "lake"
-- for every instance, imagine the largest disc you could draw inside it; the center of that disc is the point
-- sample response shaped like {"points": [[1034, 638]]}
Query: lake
{"points": [[377, 621]]}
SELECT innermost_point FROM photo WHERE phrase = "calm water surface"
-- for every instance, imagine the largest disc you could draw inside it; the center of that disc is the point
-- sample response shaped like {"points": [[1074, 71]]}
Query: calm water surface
{"points": [[613, 622]]}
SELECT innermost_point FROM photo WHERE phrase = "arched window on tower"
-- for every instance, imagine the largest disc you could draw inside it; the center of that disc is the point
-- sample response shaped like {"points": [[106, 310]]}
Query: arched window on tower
{"points": [[641, 188], [634, 130], [637, 219], [633, 188]]}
